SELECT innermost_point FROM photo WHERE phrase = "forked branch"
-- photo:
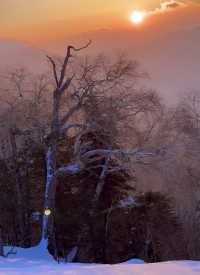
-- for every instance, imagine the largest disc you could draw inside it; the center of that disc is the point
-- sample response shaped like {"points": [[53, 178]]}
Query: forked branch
{"points": [[66, 60]]}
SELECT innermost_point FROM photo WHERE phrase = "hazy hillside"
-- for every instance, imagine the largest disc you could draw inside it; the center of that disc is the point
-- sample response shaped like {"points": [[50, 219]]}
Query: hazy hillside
{"points": [[18, 54], [171, 58]]}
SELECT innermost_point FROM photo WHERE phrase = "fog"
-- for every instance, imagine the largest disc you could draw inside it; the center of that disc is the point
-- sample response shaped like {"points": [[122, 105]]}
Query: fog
{"points": [[171, 59]]}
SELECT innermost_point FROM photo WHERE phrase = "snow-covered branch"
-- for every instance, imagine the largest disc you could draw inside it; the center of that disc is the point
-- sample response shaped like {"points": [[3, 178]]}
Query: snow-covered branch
{"points": [[138, 152], [69, 169]]}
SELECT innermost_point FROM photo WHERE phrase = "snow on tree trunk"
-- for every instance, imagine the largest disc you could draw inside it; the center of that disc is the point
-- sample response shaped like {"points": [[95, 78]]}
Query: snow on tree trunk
{"points": [[72, 254], [49, 183]]}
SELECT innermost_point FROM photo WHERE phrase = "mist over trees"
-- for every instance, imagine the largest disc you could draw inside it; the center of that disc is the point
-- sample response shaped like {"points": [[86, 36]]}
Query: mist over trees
{"points": [[85, 148]]}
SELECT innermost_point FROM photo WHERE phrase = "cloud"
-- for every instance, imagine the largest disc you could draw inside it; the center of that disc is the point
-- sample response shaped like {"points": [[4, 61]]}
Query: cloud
{"points": [[168, 6], [172, 4]]}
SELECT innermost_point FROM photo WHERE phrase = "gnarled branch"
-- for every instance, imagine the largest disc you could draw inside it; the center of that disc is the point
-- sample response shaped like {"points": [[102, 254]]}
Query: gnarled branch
{"points": [[66, 60], [54, 69]]}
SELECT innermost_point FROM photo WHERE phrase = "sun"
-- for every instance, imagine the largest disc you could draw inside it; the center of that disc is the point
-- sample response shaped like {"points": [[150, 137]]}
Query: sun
{"points": [[137, 17]]}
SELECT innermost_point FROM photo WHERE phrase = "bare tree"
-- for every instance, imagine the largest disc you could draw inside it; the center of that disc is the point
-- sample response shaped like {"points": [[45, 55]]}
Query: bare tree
{"points": [[87, 85]]}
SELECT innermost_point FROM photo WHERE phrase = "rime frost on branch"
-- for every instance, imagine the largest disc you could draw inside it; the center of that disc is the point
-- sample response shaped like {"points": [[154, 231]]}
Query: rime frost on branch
{"points": [[70, 168], [127, 202]]}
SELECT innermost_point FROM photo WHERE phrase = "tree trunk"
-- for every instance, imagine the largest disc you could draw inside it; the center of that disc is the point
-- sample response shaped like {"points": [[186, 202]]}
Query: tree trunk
{"points": [[17, 185]]}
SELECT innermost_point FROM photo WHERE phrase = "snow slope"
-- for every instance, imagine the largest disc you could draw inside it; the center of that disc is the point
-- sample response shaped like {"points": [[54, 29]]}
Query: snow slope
{"points": [[18, 267]]}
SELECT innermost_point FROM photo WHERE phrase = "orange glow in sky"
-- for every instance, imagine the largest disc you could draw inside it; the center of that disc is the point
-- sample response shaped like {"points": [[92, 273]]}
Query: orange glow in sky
{"points": [[42, 21]]}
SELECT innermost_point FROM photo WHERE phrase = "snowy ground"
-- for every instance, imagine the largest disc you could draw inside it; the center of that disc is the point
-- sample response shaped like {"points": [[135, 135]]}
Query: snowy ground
{"points": [[17, 266], [36, 260]]}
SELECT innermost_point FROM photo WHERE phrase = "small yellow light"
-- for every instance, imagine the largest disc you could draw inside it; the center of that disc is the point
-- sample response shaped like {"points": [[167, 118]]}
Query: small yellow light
{"points": [[47, 212]]}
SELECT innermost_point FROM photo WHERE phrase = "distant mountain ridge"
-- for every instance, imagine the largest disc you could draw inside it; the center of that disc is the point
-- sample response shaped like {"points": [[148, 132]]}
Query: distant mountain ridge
{"points": [[172, 59], [17, 54]]}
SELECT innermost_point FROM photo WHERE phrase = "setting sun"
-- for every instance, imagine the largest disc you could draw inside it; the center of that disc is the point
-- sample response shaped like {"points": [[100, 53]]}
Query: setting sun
{"points": [[137, 17]]}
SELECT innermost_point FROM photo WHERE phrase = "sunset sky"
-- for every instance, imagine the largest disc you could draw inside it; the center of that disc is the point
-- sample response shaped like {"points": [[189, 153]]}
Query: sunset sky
{"points": [[41, 21]]}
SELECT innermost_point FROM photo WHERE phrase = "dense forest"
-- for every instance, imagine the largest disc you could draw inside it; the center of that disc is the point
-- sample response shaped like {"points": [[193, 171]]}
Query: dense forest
{"points": [[97, 164]]}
